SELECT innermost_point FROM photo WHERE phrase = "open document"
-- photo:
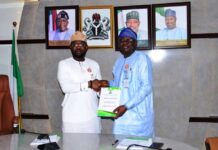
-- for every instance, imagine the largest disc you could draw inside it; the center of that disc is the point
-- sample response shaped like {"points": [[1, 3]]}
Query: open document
{"points": [[109, 100], [51, 138]]}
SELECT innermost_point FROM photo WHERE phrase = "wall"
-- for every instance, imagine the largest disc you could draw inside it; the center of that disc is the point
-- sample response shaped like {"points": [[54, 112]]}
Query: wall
{"points": [[185, 81], [10, 12]]}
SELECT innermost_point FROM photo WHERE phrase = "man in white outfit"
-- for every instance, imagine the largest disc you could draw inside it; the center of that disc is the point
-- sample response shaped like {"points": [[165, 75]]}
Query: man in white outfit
{"points": [[79, 78]]}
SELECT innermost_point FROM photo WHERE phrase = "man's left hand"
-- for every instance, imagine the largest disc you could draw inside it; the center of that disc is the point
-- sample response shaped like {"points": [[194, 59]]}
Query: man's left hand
{"points": [[119, 111]]}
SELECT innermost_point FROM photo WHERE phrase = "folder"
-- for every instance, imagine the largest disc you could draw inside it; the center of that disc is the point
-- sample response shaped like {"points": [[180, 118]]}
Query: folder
{"points": [[109, 100]]}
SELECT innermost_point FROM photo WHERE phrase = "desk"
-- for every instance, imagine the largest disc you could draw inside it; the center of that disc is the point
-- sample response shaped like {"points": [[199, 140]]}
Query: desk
{"points": [[79, 142]]}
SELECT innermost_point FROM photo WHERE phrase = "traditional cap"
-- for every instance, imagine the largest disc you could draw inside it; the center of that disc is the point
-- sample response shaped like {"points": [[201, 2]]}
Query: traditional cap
{"points": [[78, 36], [170, 12], [128, 32], [132, 15], [63, 14]]}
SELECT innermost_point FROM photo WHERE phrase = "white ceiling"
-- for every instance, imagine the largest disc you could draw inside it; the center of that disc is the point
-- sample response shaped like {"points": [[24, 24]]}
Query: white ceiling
{"points": [[14, 1], [10, 1]]}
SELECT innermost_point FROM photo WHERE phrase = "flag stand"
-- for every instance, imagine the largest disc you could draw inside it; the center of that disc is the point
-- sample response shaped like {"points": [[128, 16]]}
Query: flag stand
{"points": [[20, 93], [19, 115]]}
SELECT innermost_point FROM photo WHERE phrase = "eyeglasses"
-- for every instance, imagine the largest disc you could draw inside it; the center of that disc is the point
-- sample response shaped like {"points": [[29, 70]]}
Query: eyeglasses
{"points": [[78, 43]]}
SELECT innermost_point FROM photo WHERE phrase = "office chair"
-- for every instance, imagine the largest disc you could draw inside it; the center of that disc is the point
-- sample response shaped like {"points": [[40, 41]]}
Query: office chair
{"points": [[7, 114], [211, 143]]}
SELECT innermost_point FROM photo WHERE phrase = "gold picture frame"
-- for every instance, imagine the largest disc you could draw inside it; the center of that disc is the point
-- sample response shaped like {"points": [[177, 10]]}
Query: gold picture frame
{"points": [[96, 22], [171, 25]]}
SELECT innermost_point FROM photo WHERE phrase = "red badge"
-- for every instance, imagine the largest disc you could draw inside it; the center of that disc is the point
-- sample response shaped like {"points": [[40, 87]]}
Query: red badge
{"points": [[89, 70], [126, 66]]}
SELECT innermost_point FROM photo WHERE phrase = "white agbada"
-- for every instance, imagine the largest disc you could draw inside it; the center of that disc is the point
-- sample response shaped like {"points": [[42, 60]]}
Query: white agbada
{"points": [[80, 102]]}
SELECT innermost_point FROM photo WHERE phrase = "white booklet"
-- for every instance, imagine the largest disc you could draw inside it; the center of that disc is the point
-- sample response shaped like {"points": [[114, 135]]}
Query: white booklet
{"points": [[109, 100], [125, 143], [36, 141]]}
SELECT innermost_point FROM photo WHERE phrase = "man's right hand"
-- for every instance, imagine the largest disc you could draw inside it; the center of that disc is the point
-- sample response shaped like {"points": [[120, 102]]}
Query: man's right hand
{"points": [[96, 85]]}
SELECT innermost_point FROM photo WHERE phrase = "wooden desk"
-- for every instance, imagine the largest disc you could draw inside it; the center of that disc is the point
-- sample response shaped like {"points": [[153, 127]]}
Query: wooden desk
{"points": [[79, 142]]}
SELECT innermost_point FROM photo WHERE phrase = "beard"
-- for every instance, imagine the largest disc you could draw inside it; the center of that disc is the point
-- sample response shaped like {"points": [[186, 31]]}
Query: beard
{"points": [[79, 55], [127, 51]]}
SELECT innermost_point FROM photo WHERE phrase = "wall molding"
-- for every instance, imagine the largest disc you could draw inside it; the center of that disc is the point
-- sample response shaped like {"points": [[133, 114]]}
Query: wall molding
{"points": [[24, 41], [38, 41], [204, 35], [212, 119], [34, 116]]}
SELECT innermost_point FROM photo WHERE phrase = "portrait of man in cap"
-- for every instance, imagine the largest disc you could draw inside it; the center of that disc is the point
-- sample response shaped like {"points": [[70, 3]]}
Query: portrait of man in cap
{"points": [[62, 32], [137, 20], [61, 23], [171, 31], [133, 22]]}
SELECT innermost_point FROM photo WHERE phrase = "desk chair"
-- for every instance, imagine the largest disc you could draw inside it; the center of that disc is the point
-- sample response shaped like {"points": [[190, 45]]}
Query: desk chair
{"points": [[7, 115], [211, 143]]}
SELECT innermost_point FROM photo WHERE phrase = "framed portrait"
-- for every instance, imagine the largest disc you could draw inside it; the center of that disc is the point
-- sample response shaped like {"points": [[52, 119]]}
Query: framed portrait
{"points": [[171, 25], [96, 22], [60, 23], [139, 19]]}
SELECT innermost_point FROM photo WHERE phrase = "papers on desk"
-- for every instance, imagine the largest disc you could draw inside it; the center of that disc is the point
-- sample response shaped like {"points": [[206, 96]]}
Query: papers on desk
{"points": [[123, 145], [36, 141], [109, 100]]}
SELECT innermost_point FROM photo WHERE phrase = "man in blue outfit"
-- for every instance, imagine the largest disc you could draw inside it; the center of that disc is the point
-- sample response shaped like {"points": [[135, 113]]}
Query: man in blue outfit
{"points": [[171, 32], [133, 74]]}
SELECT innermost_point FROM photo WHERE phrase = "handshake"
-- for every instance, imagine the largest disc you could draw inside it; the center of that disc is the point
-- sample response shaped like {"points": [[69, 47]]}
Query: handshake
{"points": [[96, 85]]}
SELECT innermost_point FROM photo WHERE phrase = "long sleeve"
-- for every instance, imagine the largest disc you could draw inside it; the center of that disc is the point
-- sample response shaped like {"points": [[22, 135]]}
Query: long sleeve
{"points": [[145, 88], [117, 70], [67, 84], [98, 75], [145, 85]]}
